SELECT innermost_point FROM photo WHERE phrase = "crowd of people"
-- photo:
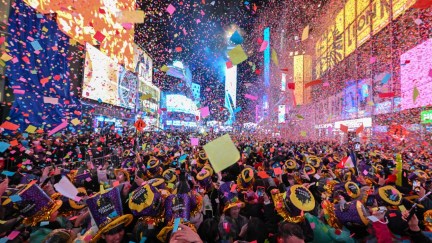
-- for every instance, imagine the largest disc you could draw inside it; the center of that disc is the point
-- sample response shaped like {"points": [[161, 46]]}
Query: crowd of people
{"points": [[158, 187]]}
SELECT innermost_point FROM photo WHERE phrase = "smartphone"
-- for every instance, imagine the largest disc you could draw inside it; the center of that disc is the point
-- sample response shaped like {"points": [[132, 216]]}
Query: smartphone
{"points": [[416, 185], [260, 191]]}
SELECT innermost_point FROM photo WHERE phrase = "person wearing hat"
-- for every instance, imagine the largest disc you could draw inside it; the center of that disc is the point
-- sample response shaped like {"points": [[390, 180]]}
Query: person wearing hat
{"points": [[107, 212], [232, 225]]}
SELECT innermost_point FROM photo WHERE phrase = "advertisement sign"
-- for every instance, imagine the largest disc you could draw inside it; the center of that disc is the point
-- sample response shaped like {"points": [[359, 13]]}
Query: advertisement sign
{"points": [[106, 81], [143, 65], [231, 84], [95, 22], [281, 114], [416, 76], [353, 124], [353, 26], [180, 103], [426, 116]]}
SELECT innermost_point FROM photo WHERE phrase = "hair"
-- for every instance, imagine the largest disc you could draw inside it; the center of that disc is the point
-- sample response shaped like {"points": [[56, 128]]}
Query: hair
{"points": [[256, 230], [209, 231], [57, 236], [287, 229]]}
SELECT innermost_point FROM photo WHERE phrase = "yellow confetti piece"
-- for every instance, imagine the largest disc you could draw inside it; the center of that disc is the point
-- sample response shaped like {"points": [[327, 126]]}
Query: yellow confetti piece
{"points": [[164, 68], [75, 121], [31, 129], [6, 57]]}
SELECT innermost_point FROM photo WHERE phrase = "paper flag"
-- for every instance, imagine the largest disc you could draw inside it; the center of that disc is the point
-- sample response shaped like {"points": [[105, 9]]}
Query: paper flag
{"points": [[222, 153], [274, 57], [31, 129], [236, 38], [360, 129], [3, 146], [50, 100], [170, 9], [264, 45], [344, 128], [194, 141], [205, 112], [66, 188], [415, 94], [237, 55], [9, 126], [305, 34], [134, 17]]}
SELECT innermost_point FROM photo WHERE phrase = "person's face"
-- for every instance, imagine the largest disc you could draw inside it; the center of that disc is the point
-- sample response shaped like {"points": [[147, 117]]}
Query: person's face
{"points": [[234, 212], [114, 238]]}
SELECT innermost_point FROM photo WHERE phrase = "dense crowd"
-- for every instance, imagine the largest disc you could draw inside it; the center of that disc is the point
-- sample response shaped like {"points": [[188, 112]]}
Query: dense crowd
{"points": [[157, 187]]}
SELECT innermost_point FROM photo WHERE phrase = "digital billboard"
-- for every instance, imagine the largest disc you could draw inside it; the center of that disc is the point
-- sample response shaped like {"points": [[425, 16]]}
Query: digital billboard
{"points": [[281, 114], [416, 76], [107, 81], [355, 23], [180, 103], [96, 22], [231, 84], [143, 65]]}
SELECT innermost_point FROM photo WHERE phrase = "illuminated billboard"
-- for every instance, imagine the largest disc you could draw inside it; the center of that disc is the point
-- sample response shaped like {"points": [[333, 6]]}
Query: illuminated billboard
{"points": [[108, 82], [231, 84], [353, 26], [96, 22], [180, 103], [416, 76], [281, 114], [302, 75], [143, 65]]}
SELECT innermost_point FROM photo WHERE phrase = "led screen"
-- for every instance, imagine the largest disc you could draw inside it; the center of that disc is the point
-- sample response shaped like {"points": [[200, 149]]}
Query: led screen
{"points": [[106, 81], [180, 103], [96, 22], [143, 65], [231, 84], [416, 74], [281, 114]]}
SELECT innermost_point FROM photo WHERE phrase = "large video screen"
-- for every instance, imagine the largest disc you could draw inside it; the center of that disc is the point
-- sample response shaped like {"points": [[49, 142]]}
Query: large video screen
{"points": [[231, 84], [180, 103], [107, 81], [416, 73], [143, 65]]}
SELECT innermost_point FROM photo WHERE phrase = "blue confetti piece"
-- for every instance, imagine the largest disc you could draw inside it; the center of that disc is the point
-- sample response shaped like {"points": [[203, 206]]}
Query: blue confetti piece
{"points": [[39, 16], [8, 173], [238, 109], [236, 38], [35, 44], [113, 214], [143, 239], [15, 198], [176, 225], [182, 158], [25, 135], [4, 146], [4, 240], [44, 223], [386, 78]]}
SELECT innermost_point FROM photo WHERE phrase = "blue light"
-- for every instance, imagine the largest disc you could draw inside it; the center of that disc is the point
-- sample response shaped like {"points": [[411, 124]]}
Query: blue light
{"points": [[267, 57]]}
